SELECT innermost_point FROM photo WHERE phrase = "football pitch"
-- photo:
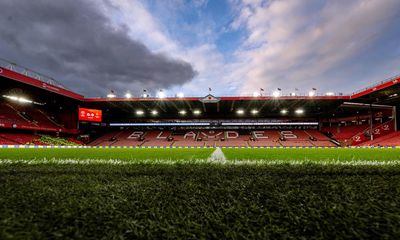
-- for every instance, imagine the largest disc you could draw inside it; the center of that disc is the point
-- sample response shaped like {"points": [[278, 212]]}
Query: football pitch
{"points": [[346, 193]]}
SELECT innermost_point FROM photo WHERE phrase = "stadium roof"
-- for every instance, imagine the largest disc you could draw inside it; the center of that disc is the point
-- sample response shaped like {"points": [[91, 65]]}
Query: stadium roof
{"points": [[385, 92]]}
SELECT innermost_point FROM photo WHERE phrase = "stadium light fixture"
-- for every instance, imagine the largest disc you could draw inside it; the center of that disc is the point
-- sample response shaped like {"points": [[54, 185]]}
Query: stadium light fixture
{"points": [[254, 111], [154, 112], [240, 111], [180, 95], [256, 94], [139, 112], [161, 94], [293, 94], [196, 112], [330, 94], [276, 93], [18, 99], [299, 111], [14, 98], [312, 93], [182, 112], [284, 111], [24, 100], [111, 95], [128, 95]]}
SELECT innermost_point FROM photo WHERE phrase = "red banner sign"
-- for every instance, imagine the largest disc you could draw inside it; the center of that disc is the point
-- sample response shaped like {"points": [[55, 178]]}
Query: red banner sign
{"points": [[91, 115]]}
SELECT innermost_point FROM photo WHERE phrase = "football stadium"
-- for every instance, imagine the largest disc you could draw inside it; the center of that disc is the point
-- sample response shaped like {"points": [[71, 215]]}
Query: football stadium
{"points": [[210, 163], [188, 167]]}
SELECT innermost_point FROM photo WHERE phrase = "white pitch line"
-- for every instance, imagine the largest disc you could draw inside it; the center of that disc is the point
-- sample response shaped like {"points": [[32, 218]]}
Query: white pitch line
{"points": [[216, 158]]}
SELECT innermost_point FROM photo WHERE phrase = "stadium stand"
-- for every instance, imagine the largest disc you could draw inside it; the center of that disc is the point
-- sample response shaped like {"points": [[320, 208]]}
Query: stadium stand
{"points": [[27, 117], [345, 132], [35, 139], [391, 139], [157, 139], [37, 117], [6, 142], [189, 138], [207, 138], [294, 143], [58, 141], [317, 135], [8, 115], [20, 138], [105, 140], [36, 108], [231, 140]]}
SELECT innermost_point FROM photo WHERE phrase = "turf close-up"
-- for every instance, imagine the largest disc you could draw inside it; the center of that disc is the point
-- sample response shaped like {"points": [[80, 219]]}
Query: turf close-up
{"points": [[192, 197]]}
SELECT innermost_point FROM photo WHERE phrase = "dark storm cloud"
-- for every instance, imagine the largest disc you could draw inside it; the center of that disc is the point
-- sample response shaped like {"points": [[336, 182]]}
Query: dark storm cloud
{"points": [[73, 42]]}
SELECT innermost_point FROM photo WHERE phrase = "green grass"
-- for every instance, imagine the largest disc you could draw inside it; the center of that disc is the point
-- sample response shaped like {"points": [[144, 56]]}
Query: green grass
{"points": [[189, 199], [105, 154], [314, 154], [168, 155]]}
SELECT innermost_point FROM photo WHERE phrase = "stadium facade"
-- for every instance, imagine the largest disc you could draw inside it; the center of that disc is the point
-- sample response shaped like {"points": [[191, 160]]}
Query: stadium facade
{"points": [[35, 109]]}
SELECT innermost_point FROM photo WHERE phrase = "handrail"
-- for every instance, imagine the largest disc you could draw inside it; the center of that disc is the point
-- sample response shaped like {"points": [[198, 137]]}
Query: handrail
{"points": [[30, 73], [377, 84]]}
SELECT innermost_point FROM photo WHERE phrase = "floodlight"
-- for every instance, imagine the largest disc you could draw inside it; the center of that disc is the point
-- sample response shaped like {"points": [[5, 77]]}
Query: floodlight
{"points": [[128, 95], [254, 111], [139, 112], [276, 93], [240, 111], [256, 94], [182, 112], [14, 98], [293, 94], [196, 112], [18, 99], [154, 112], [161, 94], [111, 95], [299, 111], [180, 95], [330, 94], [311, 93], [284, 111], [24, 100]]}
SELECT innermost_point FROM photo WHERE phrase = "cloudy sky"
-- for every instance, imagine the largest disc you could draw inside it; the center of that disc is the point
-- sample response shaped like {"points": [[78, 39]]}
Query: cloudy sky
{"points": [[232, 46]]}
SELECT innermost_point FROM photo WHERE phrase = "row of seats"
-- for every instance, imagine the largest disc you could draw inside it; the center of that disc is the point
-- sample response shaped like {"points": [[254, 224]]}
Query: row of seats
{"points": [[26, 116], [345, 132], [18, 138], [213, 138], [9, 115], [392, 139], [10, 138]]}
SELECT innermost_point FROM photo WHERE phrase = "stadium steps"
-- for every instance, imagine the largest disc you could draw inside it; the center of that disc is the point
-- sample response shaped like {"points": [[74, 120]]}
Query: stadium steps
{"points": [[375, 126], [50, 119], [7, 141], [391, 139], [10, 112], [20, 138]]}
